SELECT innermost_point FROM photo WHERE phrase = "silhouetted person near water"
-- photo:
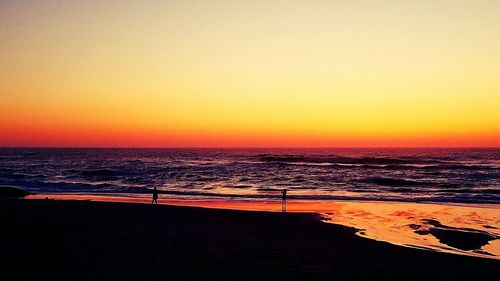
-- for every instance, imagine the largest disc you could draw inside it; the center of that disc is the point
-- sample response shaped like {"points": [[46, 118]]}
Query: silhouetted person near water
{"points": [[283, 200], [155, 196]]}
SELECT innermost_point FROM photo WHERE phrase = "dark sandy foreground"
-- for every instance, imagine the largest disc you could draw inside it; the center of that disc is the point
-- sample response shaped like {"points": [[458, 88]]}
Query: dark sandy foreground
{"points": [[78, 240]]}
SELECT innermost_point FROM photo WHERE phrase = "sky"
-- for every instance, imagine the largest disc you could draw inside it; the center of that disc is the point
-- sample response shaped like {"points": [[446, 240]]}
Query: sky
{"points": [[262, 73]]}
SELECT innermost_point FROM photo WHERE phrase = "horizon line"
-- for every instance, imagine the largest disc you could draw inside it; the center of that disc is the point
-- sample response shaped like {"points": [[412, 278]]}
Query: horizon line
{"points": [[248, 147]]}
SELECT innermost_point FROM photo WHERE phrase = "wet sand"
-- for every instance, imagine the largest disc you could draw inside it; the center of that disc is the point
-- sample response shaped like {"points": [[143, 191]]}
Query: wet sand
{"points": [[84, 240], [464, 229]]}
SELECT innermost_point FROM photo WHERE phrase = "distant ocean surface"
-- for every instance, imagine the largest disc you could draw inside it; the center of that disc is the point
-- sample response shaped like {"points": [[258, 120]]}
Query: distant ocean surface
{"points": [[411, 175]]}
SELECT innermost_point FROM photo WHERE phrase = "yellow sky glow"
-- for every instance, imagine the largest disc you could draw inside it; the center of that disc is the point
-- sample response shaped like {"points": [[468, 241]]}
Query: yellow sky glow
{"points": [[250, 73]]}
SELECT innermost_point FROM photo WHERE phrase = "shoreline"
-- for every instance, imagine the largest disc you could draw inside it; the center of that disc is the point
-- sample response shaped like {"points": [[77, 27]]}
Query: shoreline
{"points": [[56, 239], [446, 228], [146, 198]]}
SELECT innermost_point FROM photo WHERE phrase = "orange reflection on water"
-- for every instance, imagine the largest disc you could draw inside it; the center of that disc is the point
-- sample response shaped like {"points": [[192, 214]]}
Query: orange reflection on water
{"points": [[394, 222]]}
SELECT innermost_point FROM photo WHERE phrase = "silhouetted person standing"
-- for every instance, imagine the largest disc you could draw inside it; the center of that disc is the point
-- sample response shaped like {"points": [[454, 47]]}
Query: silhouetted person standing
{"points": [[155, 196], [283, 200]]}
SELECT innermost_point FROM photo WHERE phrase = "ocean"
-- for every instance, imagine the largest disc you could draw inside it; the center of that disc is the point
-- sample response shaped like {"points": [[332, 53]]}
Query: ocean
{"points": [[406, 175]]}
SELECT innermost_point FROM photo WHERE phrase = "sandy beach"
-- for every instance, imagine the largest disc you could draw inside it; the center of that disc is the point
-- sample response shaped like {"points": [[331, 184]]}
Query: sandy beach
{"points": [[464, 229], [85, 240]]}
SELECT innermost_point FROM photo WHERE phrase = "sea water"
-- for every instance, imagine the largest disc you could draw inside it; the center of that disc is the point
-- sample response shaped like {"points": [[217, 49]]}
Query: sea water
{"points": [[406, 175]]}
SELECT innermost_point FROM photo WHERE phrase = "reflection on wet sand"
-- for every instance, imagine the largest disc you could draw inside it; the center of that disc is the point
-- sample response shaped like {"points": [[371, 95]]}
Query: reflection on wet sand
{"points": [[470, 230], [460, 238], [462, 229]]}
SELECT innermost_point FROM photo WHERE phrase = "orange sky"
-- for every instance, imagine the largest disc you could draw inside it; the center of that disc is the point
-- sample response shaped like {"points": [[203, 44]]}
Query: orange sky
{"points": [[250, 73]]}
